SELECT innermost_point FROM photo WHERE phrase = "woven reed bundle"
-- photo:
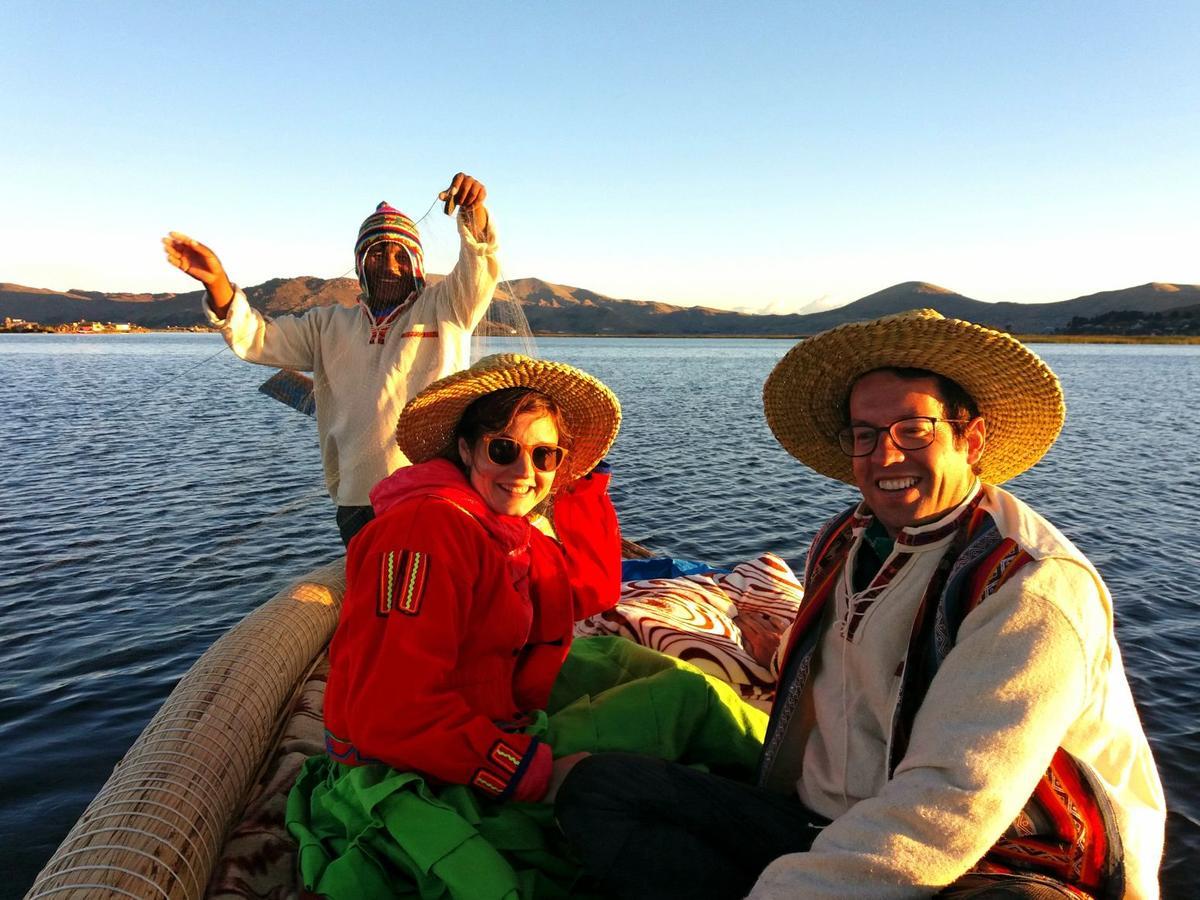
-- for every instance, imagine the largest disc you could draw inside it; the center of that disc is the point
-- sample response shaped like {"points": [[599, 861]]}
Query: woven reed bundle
{"points": [[157, 825], [1020, 398]]}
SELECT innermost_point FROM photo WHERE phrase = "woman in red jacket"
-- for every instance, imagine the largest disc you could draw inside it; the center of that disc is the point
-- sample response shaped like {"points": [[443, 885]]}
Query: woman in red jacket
{"points": [[459, 609], [461, 597]]}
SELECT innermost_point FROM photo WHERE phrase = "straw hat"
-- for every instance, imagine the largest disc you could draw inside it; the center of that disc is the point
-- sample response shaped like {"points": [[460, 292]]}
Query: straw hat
{"points": [[591, 411], [1019, 397]]}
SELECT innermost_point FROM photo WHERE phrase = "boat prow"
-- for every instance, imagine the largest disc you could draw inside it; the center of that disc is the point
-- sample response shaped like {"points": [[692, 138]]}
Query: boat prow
{"points": [[156, 827]]}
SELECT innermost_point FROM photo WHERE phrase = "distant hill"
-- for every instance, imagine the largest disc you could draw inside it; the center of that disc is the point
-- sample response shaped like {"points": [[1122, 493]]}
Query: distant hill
{"points": [[275, 297], [558, 308], [1155, 297], [1182, 321], [561, 309], [55, 307]]}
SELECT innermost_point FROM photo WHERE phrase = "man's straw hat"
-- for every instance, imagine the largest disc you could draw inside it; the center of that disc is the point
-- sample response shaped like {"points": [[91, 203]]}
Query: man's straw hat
{"points": [[590, 410], [805, 395]]}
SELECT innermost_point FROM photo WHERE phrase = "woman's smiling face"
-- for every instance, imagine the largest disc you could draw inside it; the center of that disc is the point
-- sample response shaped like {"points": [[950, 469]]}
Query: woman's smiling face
{"points": [[513, 489]]}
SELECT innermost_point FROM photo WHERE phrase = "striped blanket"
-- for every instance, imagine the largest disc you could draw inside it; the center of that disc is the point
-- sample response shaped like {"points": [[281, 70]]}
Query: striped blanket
{"points": [[726, 624]]}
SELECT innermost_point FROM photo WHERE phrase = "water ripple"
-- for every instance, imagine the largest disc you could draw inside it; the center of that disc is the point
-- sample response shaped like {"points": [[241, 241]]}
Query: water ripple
{"points": [[150, 503]]}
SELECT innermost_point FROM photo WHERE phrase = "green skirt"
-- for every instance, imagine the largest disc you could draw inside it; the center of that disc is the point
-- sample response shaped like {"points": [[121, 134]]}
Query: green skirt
{"points": [[374, 832]]}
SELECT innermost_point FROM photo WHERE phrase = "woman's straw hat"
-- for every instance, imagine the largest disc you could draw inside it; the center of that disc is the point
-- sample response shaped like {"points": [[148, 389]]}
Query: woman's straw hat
{"points": [[1021, 401], [591, 411]]}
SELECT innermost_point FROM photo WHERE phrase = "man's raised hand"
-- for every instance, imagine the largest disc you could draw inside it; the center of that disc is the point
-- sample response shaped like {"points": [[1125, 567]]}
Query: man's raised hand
{"points": [[464, 191], [193, 258]]}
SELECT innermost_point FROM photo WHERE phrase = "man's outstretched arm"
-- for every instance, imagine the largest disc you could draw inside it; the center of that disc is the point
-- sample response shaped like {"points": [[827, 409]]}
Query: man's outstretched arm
{"points": [[287, 343]]}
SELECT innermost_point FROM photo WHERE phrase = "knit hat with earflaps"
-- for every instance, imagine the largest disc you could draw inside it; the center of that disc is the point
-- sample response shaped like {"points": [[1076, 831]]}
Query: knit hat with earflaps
{"points": [[389, 225], [590, 410], [1020, 399]]}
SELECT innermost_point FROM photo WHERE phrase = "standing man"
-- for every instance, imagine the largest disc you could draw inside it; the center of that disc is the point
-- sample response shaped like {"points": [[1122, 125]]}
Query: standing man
{"points": [[952, 715], [368, 360]]}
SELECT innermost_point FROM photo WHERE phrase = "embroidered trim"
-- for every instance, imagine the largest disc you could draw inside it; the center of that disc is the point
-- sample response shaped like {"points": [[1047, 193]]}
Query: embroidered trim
{"points": [[402, 578], [505, 757], [488, 782], [1004, 569], [822, 568], [1071, 843], [515, 779], [413, 582], [387, 582], [379, 327], [965, 516]]}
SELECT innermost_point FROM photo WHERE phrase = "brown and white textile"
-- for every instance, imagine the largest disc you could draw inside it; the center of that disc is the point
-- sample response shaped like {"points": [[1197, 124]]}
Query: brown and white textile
{"points": [[728, 625]]}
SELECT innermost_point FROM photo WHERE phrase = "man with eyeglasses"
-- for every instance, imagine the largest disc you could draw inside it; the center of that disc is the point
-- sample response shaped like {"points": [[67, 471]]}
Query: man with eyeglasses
{"points": [[952, 716]]}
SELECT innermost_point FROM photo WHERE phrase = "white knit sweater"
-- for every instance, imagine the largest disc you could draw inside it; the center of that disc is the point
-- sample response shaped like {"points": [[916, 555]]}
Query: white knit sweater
{"points": [[361, 387], [1035, 667]]}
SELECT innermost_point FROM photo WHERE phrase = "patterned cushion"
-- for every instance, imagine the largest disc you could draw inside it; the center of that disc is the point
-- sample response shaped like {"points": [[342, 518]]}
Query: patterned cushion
{"points": [[729, 625]]}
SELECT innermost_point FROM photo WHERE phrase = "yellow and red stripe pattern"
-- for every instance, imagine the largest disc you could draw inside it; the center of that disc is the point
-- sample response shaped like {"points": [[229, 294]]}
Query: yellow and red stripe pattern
{"points": [[489, 782], [505, 766], [403, 575], [505, 757]]}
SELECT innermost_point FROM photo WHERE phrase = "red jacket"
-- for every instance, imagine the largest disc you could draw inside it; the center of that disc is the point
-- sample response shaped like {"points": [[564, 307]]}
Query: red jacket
{"points": [[456, 621]]}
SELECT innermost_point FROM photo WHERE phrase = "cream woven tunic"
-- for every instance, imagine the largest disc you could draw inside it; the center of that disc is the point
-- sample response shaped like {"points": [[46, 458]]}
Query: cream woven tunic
{"points": [[360, 386], [1035, 667]]}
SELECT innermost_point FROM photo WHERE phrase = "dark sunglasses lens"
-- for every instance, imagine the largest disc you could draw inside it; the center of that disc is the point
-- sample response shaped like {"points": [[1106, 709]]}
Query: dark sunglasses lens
{"points": [[547, 458], [503, 452]]}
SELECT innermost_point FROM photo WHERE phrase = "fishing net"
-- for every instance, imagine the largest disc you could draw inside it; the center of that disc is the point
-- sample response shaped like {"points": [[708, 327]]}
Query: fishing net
{"points": [[504, 328]]}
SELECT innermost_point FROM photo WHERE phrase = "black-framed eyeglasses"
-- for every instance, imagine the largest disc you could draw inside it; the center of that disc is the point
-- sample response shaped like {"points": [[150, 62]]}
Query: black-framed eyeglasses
{"points": [[914, 433], [504, 451]]}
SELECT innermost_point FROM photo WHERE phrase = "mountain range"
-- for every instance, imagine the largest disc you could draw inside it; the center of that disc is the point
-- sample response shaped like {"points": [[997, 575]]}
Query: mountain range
{"points": [[560, 309]]}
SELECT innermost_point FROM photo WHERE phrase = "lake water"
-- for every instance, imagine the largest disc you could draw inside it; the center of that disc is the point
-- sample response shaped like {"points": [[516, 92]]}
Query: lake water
{"points": [[152, 498]]}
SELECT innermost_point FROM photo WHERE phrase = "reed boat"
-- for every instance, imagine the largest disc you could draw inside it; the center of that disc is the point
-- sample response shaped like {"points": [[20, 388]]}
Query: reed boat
{"points": [[195, 808]]}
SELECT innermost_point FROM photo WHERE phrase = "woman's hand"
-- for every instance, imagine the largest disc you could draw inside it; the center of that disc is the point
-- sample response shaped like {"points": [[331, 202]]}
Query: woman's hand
{"points": [[193, 258]]}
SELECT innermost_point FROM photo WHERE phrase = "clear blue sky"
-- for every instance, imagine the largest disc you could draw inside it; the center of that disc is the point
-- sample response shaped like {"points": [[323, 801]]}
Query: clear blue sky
{"points": [[757, 156]]}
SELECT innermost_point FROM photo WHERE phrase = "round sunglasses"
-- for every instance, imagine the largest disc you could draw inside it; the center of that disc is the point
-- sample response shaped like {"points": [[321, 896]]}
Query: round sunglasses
{"points": [[504, 451]]}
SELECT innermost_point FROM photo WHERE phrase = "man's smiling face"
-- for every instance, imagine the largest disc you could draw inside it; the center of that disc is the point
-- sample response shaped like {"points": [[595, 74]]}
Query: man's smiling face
{"points": [[389, 272], [911, 487]]}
